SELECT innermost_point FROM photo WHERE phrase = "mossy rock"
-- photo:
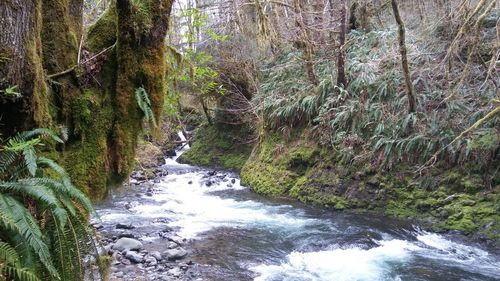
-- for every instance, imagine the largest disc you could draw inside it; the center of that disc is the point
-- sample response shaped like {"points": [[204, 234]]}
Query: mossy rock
{"points": [[267, 179]]}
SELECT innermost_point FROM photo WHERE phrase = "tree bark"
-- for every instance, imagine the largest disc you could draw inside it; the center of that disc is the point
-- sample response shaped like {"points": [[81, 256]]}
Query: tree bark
{"points": [[341, 77], [20, 65], [305, 43], [412, 101], [141, 63]]}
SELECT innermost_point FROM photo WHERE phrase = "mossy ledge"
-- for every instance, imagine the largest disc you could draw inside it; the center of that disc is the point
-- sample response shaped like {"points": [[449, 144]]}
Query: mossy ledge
{"points": [[218, 146], [445, 200]]}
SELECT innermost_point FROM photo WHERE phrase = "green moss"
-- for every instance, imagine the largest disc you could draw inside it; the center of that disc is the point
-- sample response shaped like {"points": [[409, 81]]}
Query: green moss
{"points": [[218, 146], [267, 179], [102, 33], [472, 184], [86, 159]]}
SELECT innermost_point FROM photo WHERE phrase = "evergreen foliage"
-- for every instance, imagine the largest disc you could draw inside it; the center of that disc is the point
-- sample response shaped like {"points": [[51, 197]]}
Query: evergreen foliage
{"points": [[43, 217], [368, 119], [144, 104]]}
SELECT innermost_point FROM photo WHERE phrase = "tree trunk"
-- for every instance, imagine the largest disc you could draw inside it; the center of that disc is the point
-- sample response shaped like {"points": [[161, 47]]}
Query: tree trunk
{"points": [[341, 77], [412, 101], [20, 65], [61, 35], [94, 100], [141, 63], [305, 43]]}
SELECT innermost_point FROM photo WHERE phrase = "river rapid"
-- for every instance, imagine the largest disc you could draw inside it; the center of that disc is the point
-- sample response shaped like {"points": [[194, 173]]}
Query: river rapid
{"points": [[234, 234]]}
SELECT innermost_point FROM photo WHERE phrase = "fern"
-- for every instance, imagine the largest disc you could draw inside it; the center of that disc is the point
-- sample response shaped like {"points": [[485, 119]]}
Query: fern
{"points": [[43, 220], [144, 104]]}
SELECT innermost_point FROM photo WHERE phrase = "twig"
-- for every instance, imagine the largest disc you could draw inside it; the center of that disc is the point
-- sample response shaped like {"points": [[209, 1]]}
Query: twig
{"points": [[75, 66]]}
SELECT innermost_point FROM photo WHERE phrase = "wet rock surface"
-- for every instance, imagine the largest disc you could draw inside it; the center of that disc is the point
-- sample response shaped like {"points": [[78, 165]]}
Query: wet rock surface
{"points": [[145, 250]]}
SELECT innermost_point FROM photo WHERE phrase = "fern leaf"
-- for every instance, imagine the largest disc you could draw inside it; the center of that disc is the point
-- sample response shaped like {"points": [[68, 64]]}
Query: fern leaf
{"points": [[17, 273], [41, 132], [144, 104], [30, 160], [9, 255], [28, 228]]}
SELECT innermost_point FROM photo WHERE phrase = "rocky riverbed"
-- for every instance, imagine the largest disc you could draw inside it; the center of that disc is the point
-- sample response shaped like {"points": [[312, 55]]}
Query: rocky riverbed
{"points": [[147, 248], [182, 222]]}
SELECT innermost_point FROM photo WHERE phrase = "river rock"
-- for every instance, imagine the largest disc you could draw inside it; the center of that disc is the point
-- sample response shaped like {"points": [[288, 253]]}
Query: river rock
{"points": [[127, 244], [134, 257], [156, 255], [172, 245], [174, 254], [125, 261], [233, 181], [183, 266], [176, 272], [150, 260], [176, 239], [126, 235], [124, 226]]}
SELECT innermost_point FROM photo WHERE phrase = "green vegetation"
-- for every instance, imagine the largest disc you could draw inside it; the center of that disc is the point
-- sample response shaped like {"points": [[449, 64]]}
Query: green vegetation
{"points": [[211, 148], [447, 200], [388, 112], [43, 217]]}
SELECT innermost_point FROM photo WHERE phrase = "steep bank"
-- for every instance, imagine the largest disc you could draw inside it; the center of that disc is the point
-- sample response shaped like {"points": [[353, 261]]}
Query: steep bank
{"points": [[445, 199]]}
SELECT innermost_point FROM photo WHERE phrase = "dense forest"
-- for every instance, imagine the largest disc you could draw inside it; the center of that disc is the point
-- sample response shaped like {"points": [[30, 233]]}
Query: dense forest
{"points": [[376, 107]]}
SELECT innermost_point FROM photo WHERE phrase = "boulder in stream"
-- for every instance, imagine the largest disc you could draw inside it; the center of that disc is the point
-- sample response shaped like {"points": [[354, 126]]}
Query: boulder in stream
{"points": [[134, 257], [127, 244], [174, 254]]}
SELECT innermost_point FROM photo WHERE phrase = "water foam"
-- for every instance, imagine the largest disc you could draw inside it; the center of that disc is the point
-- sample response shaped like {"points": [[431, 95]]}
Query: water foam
{"points": [[340, 264], [468, 258], [195, 209]]}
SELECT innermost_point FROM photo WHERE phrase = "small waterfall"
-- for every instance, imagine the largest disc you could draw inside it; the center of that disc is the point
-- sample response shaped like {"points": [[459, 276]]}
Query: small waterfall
{"points": [[184, 146]]}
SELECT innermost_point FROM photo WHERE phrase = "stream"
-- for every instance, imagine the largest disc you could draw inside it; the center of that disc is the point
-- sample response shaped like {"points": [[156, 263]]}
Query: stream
{"points": [[233, 234]]}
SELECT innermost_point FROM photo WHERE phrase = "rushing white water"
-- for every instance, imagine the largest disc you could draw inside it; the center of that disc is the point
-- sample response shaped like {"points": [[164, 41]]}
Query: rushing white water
{"points": [[340, 264], [278, 242], [195, 210], [379, 263]]}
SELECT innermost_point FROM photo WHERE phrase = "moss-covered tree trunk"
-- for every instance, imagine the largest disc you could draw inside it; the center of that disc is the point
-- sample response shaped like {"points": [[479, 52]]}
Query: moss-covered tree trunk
{"points": [[141, 63], [61, 34], [21, 66], [95, 99]]}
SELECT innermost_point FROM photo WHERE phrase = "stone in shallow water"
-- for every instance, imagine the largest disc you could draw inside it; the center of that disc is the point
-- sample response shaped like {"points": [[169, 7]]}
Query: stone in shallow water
{"points": [[124, 226], [176, 272], [174, 254], [127, 244], [156, 255], [134, 257], [151, 260]]}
